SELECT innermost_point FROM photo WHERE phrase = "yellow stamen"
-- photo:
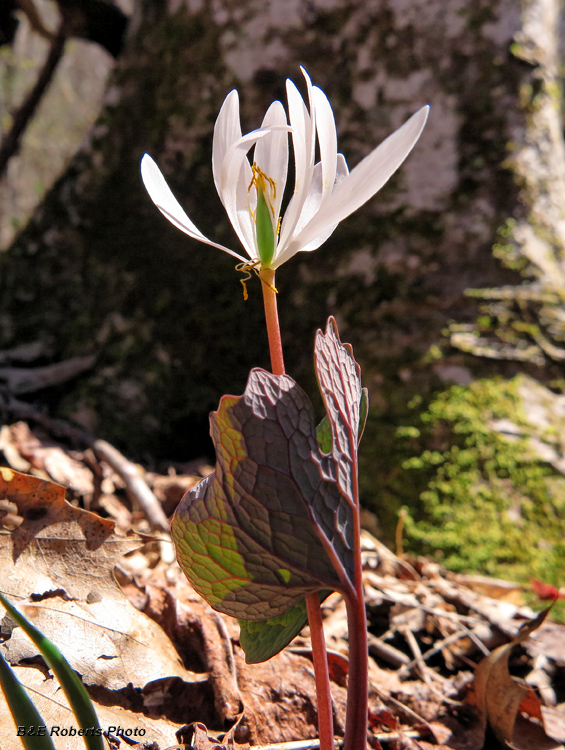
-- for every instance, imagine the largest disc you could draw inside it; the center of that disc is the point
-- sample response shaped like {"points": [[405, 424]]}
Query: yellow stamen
{"points": [[246, 268], [260, 181]]}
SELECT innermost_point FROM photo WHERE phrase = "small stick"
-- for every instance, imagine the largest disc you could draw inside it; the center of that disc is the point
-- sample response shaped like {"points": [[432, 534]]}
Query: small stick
{"points": [[315, 744], [427, 674], [136, 485], [388, 653], [11, 141]]}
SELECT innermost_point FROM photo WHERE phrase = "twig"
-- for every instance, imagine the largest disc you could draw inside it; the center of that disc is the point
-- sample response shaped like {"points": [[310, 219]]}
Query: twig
{"points": [[453, 638], [426, 673], [387, 653], [35, 21], [11, 141], [418, 660], [315, 744], [387, 698], [20, 380], [220, 664], [136, 485], [399, 529]]}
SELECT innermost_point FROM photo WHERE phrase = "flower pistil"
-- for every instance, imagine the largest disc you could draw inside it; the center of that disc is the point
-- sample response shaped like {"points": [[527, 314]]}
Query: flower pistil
{"points": [[264, 215]]}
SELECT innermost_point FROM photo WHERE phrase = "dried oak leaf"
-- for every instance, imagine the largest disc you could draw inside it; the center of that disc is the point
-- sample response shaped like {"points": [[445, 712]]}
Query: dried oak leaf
{"points": [[57, 568], [512, 710], [52, 704]]}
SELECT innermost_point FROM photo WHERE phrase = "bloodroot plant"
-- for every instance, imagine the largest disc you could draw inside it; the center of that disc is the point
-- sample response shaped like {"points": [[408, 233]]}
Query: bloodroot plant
{"points": [[275, 528]]}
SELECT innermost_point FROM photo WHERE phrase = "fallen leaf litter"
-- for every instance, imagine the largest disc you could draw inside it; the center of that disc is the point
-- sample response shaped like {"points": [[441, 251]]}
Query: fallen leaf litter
{"points": [[154, 655]]}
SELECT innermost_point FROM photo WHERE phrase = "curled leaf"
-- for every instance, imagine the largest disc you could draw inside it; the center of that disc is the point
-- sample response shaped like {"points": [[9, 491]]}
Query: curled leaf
{"points": [[501, 701], [339, 377], [275, 521], [247, 536]]}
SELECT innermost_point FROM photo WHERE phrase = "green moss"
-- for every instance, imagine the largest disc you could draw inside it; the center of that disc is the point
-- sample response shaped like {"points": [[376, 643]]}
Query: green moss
{"points": [[490, 505]]}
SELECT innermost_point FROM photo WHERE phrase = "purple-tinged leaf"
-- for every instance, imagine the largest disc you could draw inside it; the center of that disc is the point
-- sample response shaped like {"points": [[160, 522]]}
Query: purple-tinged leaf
{"points": [[263, 639], [324, 429], [339, 377], [266, 528]]}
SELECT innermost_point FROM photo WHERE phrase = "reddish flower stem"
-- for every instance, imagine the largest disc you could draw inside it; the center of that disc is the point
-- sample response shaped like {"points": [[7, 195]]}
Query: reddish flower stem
{"points": [[272, 320], [319, 655], [356, 718], [320, 659], [358, 675]]}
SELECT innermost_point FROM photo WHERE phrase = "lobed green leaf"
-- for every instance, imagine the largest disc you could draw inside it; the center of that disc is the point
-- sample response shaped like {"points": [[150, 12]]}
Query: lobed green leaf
{"points": [[245, 536], [275, 521]]}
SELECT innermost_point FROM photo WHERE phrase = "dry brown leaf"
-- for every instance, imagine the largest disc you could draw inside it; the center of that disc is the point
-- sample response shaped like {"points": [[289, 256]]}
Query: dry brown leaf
{"points": [[58, 546], [109, 643], [503, 703], [11, 452], [554, 721], [55, 712], [549, 640], [58, 464], [495, 588], [61, 560]]}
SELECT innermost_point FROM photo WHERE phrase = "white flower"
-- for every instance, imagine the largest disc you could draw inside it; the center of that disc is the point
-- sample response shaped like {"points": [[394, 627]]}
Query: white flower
{"points": [[324, 193]]}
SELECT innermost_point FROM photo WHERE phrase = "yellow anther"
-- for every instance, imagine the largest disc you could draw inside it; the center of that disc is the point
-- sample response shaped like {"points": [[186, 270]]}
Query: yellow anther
{"points": [[260, 181], [246, 268]]}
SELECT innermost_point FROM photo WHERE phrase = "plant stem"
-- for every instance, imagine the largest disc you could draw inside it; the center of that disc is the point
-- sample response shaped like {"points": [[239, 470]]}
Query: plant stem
{"points": [[319, 655], [358, 676], [320, 659], [272, 320]]}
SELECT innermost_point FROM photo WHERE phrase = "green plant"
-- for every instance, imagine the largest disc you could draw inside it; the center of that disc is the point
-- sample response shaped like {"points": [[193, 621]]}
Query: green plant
{"points": [[277, 524], [491, 505]]}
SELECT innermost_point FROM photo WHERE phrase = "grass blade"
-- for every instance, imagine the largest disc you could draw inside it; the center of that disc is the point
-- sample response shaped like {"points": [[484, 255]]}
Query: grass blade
{"points": [[75, 691], [24, 712]]}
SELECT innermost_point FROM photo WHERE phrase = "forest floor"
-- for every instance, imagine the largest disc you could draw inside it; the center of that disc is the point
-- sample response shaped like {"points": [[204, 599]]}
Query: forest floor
{"points": [[164, 669]]}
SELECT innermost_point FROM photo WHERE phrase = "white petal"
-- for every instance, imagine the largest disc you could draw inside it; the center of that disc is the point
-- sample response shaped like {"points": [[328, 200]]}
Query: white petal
{"points": [[227, 131], [313, 200], [327, 138], [243, 208], [271, 152], [365, 180], [161, 195], [311, 206], [234, 181], [303, 140]]}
